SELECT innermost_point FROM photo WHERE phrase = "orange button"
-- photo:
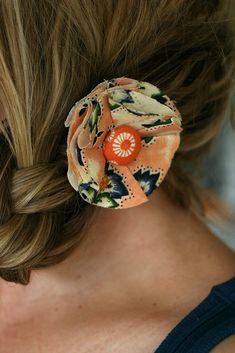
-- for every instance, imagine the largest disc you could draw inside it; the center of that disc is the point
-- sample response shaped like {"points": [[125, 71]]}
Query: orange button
{"points": [[122, 145]]}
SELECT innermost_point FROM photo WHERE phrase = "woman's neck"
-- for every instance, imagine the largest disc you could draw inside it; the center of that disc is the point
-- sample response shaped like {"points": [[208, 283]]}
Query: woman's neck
{"points": [[147, 254]]}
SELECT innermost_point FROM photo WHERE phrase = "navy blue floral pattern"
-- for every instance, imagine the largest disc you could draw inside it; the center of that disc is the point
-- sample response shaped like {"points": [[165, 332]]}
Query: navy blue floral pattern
{"points": [[147, 180], [102, 180], [113, 188]]}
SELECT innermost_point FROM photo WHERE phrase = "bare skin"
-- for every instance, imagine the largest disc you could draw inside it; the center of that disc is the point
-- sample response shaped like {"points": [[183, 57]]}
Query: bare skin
{"points": [[137, 273]]}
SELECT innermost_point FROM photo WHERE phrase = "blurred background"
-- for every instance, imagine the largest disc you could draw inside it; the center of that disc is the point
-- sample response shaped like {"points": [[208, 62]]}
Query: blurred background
{"points": [[220, 174]]}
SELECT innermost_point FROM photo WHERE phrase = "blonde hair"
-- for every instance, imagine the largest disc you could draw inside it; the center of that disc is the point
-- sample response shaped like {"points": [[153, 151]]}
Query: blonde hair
{"points": [[52, 53]]}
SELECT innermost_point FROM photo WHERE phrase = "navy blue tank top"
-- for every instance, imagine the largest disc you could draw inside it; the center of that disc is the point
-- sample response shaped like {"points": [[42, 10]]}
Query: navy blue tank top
{"points": [[209, 323]]}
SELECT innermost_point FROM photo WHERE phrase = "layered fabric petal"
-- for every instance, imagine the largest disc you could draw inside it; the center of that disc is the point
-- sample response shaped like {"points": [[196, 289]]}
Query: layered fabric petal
{"points": [[114, 105]]}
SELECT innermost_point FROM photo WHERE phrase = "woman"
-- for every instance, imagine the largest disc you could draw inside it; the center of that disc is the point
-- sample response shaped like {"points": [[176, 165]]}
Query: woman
{"points": [[76, 277]]}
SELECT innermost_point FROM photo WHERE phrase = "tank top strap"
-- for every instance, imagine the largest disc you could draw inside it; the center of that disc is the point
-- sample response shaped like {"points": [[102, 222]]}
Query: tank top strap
{"points": [[209, 323], [226, 290]]}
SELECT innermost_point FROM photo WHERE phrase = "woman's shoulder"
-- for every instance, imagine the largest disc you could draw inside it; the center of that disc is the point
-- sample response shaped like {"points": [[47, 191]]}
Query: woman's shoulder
{"points": [[208, 273], [226, 290], [208, 324], [225, 346]]}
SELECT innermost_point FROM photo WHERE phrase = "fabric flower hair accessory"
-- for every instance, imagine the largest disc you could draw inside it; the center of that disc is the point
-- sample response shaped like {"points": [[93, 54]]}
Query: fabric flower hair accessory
{"points": [[121, 140]]}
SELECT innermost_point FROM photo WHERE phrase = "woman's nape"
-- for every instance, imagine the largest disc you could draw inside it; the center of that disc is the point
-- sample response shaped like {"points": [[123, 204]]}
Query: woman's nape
{"points": [[151, 264]]}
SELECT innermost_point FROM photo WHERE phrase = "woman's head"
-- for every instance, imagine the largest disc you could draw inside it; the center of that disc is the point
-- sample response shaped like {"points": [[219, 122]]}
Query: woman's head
{"points": [[51, 55]]}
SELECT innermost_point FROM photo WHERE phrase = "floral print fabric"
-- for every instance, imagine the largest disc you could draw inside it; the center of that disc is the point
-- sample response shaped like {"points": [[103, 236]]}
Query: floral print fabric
{"points": [[112, 103]]}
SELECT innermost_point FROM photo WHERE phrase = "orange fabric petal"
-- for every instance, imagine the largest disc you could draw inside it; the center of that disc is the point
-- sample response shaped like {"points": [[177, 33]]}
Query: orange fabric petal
{"points": [[113, 103]]}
